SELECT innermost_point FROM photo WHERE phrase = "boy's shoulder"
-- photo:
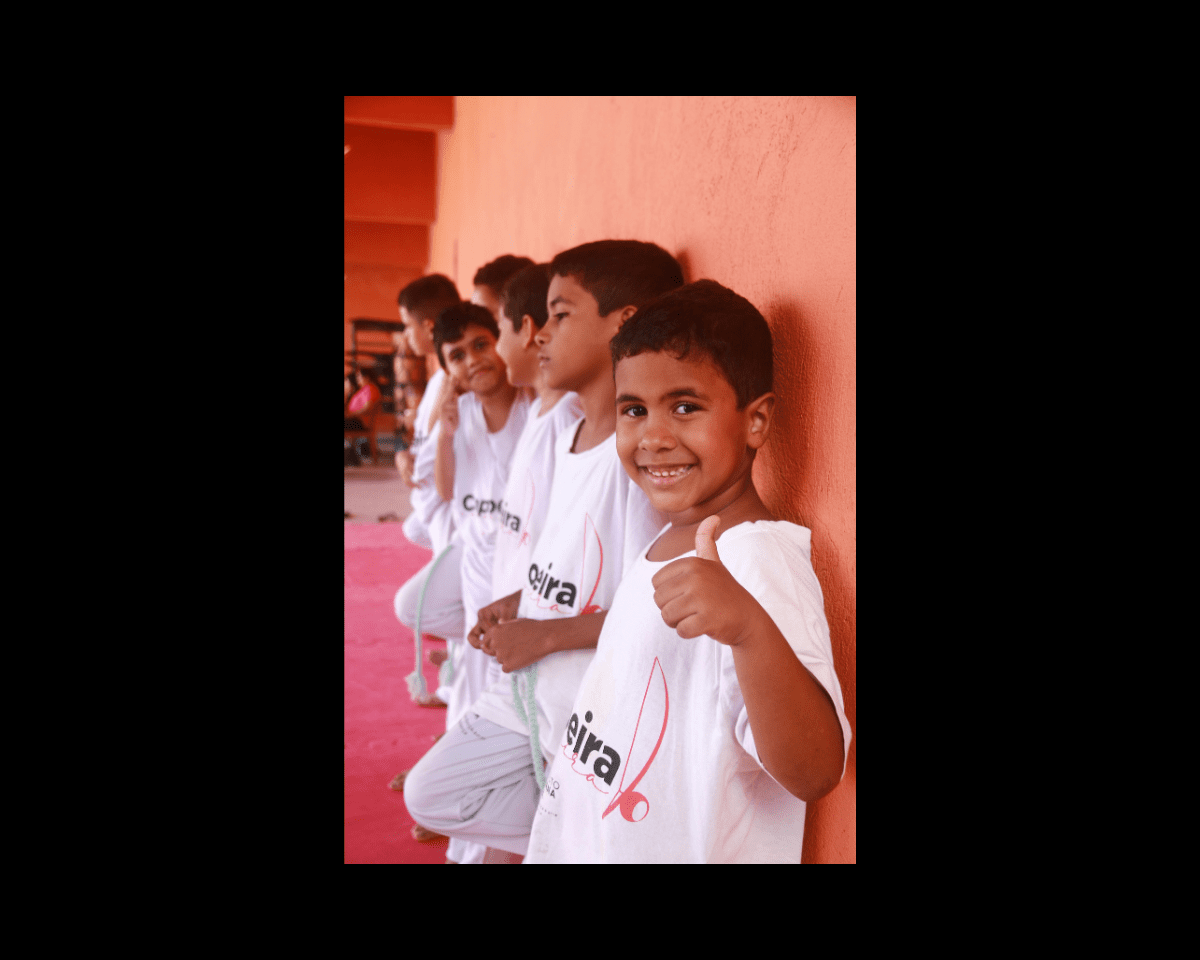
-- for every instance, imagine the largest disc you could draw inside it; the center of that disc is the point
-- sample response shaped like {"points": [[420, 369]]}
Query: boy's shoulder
{"points": [[772, 558], [778, 534]]}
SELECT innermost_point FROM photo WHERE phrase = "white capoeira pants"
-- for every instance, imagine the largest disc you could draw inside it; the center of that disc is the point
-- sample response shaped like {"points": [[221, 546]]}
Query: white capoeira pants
{"points": [[476, 784], [442, 615]]}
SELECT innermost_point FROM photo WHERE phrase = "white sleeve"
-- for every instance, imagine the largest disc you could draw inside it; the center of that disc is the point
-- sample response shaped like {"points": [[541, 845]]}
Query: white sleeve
{"points": [[779, 575]]}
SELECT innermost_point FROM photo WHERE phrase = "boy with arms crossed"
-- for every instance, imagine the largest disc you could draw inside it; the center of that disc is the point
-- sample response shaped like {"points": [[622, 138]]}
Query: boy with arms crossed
{"points": [[479, 781], [522, 313], [711, 711]]}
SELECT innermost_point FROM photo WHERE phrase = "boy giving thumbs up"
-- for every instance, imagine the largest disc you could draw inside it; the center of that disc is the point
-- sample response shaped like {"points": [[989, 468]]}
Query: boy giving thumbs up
{"points": [[711, 712]]}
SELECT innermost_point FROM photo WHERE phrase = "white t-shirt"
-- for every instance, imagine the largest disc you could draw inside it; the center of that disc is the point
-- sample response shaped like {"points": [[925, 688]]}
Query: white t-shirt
{"points": [[481, 467], [527, 495], [657, 762], [597, 523], [430, 524], [481, 461]]}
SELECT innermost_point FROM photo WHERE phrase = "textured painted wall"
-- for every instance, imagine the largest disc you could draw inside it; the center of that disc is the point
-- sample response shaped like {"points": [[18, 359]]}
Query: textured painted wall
{"points": [[756, 193]]}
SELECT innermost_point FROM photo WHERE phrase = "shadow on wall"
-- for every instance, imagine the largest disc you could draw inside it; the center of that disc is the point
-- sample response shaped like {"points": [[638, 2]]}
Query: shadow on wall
{"points": [[684, 265], [798, 468], [786, 455]]}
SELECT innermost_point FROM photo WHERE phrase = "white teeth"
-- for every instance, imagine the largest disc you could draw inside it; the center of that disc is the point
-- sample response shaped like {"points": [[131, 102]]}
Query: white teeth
{"points": [[667, 473]]}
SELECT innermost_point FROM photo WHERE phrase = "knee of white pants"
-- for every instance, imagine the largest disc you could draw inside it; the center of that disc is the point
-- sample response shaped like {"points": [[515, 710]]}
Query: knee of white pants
{"points": [[405, 604], [417, 799], [442, 615]]}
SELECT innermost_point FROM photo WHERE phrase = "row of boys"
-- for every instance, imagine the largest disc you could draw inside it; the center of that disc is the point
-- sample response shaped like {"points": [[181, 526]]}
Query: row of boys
{"points": [[640, 667]]}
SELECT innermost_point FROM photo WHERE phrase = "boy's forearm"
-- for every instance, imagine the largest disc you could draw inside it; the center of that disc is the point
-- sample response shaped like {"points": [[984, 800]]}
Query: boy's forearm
{"points": [[568, 633], [518, 643], [443, 467], [575, 633], [795, 726]]}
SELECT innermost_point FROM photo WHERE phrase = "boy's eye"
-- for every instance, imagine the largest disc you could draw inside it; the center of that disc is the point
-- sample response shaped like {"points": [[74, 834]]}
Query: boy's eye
{"points": [[686, 407], [633, 410]]}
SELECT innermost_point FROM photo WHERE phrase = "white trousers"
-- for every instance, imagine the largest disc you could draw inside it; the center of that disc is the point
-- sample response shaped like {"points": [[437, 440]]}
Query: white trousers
{"points": [[476, 784], [460, 851], [442, 615]]}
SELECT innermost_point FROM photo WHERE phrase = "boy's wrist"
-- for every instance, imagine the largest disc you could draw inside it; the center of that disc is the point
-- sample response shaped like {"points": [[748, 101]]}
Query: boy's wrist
{"points": [[754, 626]]}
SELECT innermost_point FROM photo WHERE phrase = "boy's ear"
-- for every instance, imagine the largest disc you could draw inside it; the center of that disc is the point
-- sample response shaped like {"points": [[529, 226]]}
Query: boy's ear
{"points": [[626, 313], [758, 415], [529, 331]]}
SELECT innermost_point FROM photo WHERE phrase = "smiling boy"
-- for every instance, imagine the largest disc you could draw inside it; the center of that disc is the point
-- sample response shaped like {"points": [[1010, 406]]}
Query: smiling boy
{"points": [[711, 712], [479, 430]]}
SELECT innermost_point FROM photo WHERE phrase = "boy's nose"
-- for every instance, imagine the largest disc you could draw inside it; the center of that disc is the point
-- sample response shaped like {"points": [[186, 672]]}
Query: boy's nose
{"points": [[656, 437]]}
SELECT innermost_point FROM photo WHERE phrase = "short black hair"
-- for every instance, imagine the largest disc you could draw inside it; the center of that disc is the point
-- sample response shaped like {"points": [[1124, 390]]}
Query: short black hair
{"points": [[496, 273], [525, 295], [619, 273], [715, 322], [455, 319], [428, 296]]}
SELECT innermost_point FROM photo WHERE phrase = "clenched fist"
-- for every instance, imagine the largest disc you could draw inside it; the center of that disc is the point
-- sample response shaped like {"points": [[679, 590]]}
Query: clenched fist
{"points": [[698, 596]]}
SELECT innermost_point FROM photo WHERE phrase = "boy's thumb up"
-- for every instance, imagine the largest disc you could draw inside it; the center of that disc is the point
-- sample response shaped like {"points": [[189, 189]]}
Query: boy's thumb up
{"points": [[706, 546]]}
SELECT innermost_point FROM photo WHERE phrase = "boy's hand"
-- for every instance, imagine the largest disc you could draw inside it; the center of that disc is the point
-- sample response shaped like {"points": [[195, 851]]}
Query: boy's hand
{"points": [[446, 406], [495, 613], [517, 643], [404, 463], [697, 595], [450, 414]]}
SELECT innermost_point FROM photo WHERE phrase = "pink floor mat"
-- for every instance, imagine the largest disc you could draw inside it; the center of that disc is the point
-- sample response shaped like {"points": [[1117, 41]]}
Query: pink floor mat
{"points": [[385, 732]]}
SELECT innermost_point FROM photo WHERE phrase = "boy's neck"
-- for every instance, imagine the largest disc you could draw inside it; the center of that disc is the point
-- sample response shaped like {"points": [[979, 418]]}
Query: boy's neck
{"points": [[598, 400], [548, 397], [746, 507], [497, 404]]}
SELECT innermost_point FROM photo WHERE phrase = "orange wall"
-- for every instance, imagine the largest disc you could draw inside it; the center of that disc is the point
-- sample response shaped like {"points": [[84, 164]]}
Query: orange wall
{"points": [[757, 193]]}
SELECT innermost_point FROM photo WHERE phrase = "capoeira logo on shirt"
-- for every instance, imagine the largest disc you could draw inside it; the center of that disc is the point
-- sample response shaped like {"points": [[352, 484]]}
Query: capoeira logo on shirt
{"points": [[510, 523], [546, 587], [648, 735]]}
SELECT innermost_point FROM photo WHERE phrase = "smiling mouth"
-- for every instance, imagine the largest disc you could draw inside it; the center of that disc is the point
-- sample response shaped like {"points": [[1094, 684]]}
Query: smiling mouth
{"points": [[665, 476]]}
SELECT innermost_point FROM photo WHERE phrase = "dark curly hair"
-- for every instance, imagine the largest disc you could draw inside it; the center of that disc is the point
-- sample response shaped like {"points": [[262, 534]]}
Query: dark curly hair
{"points": [[497, 273], [452, 321], [619, 273], [713, 321], [525, 295], [428, 296]]}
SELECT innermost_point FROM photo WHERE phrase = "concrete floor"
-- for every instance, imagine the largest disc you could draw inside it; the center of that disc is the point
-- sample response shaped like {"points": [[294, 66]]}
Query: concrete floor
{"points": [[371, 492]]}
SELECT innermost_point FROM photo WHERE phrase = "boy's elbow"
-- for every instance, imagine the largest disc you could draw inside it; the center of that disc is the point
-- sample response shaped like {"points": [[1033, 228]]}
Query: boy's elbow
{"points": [[810, 791], [812, 783]]}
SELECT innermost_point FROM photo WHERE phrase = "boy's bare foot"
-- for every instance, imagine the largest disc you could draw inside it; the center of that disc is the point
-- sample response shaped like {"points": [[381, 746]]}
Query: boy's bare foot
{"points": [[430, 700], [421, 835], [398, 781], [438, 657]]}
